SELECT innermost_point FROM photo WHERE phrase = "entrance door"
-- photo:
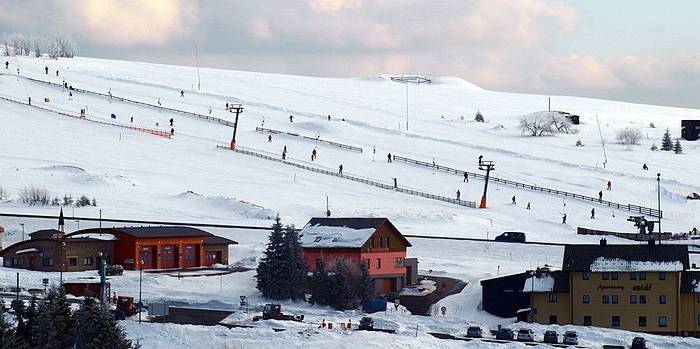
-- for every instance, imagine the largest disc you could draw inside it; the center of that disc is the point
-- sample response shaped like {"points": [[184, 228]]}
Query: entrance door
{"points": [[212, 257], [408, 275], [190, 256], [389, 285], [168, 257], [148, 255]]}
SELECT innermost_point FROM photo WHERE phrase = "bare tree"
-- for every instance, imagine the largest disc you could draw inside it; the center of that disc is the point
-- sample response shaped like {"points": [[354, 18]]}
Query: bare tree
{"points": [[536, 124], [628, 136]]}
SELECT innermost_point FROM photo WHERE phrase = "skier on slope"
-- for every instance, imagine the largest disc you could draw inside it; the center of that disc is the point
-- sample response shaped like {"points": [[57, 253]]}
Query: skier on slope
{"points": [[313, 154], [172, 131], [563, 219], [171, 122], [56, 72], [291, 118], [46, 69], [609, 185], [466, 177], [395, 184], [70, 95], [458, 194], [269, 137], [593, 213], [182, 93], [7, 64], [340, 169], [159, 102], [645, 167], [388, 157], [528, 205], [513, 200], [600, 196], [284, 155]]}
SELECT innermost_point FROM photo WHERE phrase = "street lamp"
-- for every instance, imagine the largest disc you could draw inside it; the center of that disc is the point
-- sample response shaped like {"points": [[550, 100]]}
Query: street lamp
{"points": [[140, 279], [658, 200], [22, 224]]}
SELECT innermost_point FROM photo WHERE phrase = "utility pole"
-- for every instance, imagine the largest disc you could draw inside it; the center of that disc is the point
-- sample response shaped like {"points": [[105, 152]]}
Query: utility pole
{"points": [[549, 103], [602, 142], [196, 61], [658, 200], [22, 224], [103, 278], [328, 208], [487, 166], [100, 222], [238, 110], [409, 80], [140, 279]]}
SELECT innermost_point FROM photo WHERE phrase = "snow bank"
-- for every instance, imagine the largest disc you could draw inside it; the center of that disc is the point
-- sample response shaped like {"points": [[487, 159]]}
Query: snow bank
{"points": [[27, 250], [238, 207], [615, 264], [96, 236]]}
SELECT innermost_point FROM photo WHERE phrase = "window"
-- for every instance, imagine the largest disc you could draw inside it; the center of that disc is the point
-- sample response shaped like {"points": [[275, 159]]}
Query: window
{"points": [[387, 242], [399, 262], [552, 319], [87, 260], [381, 242], [606, 299], [615, 321], [633, 276], [606, 276], [16, 262], [47, 262], [615, 275], [642, 321], [663, 321], [633, 299], [586, 299], [615, 299], [642, 275], [367, 263], [379, 263], [587, 320], [586, 275], [662, 275], [71, 261], [662, 299], [552, 298], [371, 242], [642, 299]]}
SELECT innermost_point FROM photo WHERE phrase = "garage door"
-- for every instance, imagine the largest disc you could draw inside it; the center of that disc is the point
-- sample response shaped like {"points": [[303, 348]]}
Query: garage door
{"points": [[148, 255], [190, 256], [168, 257]]}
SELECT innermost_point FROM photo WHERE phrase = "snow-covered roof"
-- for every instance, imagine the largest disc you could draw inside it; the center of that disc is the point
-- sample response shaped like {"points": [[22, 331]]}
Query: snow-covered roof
{"points": [[96, 236], [27, 250], [544, 283], [319, 236], [617, 264]]}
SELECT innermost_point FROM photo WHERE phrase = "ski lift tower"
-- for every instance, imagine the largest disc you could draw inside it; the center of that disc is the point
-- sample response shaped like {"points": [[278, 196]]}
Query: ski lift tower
{"points": [[487, 166], [407, 80], [238, 109]]}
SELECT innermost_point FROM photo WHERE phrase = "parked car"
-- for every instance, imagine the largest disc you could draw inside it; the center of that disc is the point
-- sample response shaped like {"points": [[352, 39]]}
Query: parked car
{"points": [[551, 337], [511, 236], [114, 269], [570, 338], [474, 332], [505, 334], [639, 343], [526, 335]]}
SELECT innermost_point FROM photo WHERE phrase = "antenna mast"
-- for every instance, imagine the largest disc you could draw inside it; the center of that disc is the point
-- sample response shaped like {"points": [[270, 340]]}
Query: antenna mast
{"points": [[196, 62]]}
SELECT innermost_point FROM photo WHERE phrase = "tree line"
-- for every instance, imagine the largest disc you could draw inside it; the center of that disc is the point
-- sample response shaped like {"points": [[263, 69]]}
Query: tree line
{"points": [[51, 324], [17, 44], [283, 274]]}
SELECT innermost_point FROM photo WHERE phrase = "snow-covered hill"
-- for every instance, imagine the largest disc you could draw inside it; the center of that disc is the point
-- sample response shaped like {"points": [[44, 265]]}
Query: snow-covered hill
{"points": [[140, 176]]}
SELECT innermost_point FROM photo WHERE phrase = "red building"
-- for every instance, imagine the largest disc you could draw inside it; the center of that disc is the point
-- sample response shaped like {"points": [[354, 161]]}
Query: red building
{"points": [[164, 247], [374, 241]]}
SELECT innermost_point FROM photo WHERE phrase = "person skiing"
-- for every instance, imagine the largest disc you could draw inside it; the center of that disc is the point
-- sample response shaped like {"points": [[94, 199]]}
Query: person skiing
{"points": [[226, 105], [513, 200], [70, 95], [593, 213], [609, 185], [209, 110], [388, 157], [182, 93], [466, 177], [329, 117], [7, 64], [56, 72], [30, 100], [132, 119], [269, 137], [313, 154], [395, 185], [340, 169], [645, 167], [291, 118], [563, 219], [285, 149], [46, 69], [458, 194], [157, 125], [600, 196], [159, 102], [113, 116], [110, 93], [171, 122], [528, 205], [172, 131], [284, 155], [65, 84]]}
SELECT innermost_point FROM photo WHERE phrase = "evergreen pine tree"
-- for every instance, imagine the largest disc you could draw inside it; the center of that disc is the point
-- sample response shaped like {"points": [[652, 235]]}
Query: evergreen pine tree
{"points": [[19, 310], [677, 148], [8, 336], [365, 286], [343, 293], [666, 142], [269, 275], [29, 337], [54, 323], [96, 328], [295, 265], [479, 117], [320, 284]]}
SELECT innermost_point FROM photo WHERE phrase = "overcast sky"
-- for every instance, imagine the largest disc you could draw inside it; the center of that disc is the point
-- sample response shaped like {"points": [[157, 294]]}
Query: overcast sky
{"points": [[642, 51]]}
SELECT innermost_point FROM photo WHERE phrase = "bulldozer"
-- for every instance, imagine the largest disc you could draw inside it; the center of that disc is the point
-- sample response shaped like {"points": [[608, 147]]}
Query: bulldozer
{"points": [[274, 312]]}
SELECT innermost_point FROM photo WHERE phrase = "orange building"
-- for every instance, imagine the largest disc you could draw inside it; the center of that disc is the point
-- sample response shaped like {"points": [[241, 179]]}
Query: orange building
{"points": [[374, 241]]}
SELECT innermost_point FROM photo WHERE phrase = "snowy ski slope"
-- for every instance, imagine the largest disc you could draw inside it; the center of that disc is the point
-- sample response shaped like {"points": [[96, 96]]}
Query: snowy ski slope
{"points": [[140, 176]]}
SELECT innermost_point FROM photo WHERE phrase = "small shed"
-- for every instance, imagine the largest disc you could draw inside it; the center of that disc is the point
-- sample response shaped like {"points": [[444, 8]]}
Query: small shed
{"points": [[503, 296], [690, 130]]}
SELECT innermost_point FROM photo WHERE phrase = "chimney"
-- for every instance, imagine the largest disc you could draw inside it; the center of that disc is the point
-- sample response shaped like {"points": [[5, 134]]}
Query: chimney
{"points": [[695, 266], [603, 242]]}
